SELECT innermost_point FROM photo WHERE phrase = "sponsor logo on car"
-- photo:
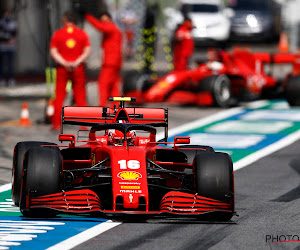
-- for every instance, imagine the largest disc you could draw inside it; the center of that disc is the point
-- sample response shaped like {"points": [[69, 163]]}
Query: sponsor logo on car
{"points": [[130, 187], [130, 198], [129, 183], [131, 191], [143, 141], [129, 175]]}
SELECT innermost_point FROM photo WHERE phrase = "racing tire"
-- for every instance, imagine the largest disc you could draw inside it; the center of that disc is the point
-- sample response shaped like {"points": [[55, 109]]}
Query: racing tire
{"points": [[42, 175], [17, 168], [198, 149], [292, 91], [213, 173], [219, 87], [136, 81]]}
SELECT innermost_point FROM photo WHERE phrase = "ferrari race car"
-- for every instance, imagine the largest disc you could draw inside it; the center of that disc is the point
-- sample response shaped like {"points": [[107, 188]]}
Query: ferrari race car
{"points": [[226, 79], [121, 169]]}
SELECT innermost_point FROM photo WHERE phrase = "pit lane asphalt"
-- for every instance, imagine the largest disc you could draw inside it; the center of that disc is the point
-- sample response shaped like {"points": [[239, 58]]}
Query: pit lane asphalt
{"points": [[267, 192]]}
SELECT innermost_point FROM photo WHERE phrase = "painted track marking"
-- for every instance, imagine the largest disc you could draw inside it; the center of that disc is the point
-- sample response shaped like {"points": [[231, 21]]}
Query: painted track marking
{"points": [[84, 236]]}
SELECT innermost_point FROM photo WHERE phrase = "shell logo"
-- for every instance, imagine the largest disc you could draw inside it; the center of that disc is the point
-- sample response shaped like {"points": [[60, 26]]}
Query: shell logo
{"points": [[70, 30], [163, 84], [70, 43], [129, 175]]}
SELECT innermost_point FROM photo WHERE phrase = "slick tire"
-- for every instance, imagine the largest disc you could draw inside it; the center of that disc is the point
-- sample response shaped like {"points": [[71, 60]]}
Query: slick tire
{"points": [[17, 168], [292, 91], [213, 173], [219, 87], [193, 150], [42, 175], [135, 81]]}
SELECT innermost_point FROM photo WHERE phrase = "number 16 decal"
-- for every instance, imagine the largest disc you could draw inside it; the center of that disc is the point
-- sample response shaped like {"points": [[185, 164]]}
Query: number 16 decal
{"points": [[131, 164]]}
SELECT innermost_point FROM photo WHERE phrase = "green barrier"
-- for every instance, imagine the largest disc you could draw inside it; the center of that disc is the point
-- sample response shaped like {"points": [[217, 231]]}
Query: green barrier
{"points": [[51, 82]]}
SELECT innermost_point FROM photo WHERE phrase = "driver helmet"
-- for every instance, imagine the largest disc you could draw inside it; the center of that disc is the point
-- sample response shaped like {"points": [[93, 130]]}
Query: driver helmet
{"points": [[116, 137], [212, 55], [131, 135]]}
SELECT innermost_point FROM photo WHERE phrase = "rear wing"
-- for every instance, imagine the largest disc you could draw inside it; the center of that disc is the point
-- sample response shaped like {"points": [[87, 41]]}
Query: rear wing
{"points": [[276, 57], [91, 116]]}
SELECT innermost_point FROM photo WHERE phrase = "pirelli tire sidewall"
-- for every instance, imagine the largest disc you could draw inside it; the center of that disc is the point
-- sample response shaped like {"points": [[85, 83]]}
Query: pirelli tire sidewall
{"points": [[42, 175], [292, 90], [17, 168]]}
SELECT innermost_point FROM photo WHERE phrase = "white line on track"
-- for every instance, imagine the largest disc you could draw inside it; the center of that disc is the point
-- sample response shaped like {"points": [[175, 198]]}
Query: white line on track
{"points": [[84, 236], [284, 142], [5, 187]]}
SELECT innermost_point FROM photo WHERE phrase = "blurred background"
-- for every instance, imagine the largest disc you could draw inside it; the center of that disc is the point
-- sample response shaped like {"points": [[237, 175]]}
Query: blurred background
{"points": [[239, 21]]}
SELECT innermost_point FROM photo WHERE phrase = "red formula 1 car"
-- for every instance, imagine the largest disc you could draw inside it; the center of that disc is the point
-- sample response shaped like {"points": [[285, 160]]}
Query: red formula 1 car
{"points": [[120, 169], [229, 77]]}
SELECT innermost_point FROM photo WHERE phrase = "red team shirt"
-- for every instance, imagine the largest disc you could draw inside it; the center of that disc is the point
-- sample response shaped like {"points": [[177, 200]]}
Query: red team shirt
{"points": [[70, 42], [111, 41], [182, 49]]}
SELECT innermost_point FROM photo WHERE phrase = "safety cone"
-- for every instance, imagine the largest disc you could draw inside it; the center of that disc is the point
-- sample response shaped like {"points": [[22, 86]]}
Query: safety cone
{"points": [[283, 45], [24, 119], [49, 111]]}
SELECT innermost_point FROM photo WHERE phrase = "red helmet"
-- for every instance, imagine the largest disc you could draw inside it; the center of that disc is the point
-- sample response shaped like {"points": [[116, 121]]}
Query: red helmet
{"points": [[131, 135], [115, 136]]}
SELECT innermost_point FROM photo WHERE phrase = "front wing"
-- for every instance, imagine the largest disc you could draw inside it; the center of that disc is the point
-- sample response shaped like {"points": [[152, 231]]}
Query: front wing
{"points": [[87, 201]]}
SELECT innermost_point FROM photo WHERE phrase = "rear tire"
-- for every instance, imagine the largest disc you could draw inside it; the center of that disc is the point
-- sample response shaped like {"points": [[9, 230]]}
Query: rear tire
{"points": [[136, 81], [42, 175], [213, 174], [17, 168], [292, 91]]}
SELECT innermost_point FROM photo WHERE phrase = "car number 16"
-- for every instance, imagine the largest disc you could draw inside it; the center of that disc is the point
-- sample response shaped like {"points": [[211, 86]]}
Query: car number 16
{"points": [[131, 164]]}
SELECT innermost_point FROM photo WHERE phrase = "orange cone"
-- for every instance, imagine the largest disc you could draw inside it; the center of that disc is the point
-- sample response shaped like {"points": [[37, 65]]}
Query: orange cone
{"points": [[24, 119], [49, 111], [283, 45]]}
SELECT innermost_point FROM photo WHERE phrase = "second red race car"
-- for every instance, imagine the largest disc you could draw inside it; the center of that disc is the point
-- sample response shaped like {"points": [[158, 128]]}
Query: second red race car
{"points": [[121, 169], [224, 80]]}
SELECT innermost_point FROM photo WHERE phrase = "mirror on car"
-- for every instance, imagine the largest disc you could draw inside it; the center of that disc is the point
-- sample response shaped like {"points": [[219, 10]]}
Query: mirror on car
{"points": [[182, 140], [66, 137]]}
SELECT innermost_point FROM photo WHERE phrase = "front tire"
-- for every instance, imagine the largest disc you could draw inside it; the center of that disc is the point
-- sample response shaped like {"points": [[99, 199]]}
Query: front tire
{"points": [[17, 168], [213, 173], [42, 175]]}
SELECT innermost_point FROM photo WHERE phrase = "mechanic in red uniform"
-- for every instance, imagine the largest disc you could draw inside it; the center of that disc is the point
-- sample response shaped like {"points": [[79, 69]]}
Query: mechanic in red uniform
{"points": [[183, 45], [109, 77], [69, 47]]}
